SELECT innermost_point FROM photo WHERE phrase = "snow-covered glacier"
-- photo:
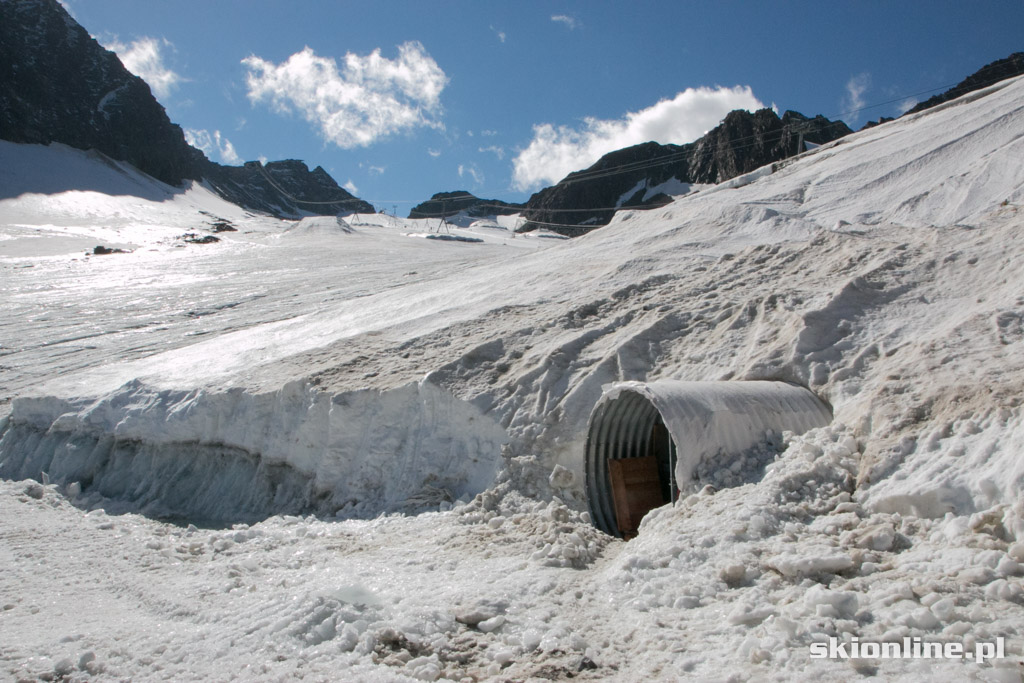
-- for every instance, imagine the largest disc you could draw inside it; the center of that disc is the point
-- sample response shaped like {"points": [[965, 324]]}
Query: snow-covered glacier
{"points": [[318, 447]]}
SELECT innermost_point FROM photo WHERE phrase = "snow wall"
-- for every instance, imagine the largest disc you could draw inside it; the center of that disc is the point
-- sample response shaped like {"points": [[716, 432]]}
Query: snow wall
{"points": [[705, 420], [232, 456]]}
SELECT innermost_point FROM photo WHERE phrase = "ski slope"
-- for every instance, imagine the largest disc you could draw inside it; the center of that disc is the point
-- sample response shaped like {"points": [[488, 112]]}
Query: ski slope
{"points": [[336, 448]]}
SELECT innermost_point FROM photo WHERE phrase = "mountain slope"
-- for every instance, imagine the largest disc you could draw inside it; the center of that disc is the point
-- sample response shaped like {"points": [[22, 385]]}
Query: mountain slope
{"points": [[998, 70], [57, 84], [648, 296], [639, 176], [284, 189], [647, 175]]}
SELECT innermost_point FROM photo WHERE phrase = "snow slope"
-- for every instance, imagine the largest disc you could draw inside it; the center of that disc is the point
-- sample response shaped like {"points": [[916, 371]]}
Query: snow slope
{"points": [[350, 370]]}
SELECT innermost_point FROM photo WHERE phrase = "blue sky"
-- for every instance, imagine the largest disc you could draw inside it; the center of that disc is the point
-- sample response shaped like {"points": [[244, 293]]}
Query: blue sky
{"points": [[399, 100]]}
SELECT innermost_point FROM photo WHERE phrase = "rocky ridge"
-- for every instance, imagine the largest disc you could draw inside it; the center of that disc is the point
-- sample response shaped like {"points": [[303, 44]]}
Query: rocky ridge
{"points": [[632, 177], [445, 204], [283, 188], [642, 175], [987, 75]]}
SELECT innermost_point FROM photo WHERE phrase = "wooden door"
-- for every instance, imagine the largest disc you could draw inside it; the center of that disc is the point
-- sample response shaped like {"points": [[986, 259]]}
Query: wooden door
{"points": [[636, 490]]}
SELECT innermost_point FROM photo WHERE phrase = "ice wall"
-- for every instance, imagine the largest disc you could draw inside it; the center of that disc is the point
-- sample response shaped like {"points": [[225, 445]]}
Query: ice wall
{"points": [[232, 455]]}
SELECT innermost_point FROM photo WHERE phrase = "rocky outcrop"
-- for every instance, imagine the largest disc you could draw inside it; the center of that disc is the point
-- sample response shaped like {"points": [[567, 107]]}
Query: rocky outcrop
{"points": [[745, 141], [284, 189], [640, 176], [445, 204], [590, 197], [57, 84]]}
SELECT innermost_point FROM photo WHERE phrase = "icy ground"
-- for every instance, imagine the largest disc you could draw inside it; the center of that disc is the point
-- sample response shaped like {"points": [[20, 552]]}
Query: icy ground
{"points": [[339, 451]]}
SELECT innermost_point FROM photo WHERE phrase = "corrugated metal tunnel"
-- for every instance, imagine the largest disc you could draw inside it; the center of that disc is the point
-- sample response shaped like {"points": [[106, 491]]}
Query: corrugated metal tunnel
{"points": [[645, 440]]}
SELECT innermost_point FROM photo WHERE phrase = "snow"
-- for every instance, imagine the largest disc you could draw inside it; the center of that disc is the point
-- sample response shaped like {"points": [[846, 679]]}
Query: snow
{"points": [[107, 99], [325, 449], [672, 187]]}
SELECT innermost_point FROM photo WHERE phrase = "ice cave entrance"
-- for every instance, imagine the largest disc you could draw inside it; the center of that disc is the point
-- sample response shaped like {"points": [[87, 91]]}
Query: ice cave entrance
{"points": [[645, 440]]}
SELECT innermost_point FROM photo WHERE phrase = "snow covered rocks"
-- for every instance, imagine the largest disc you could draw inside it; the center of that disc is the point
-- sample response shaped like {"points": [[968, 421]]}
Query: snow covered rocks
{"points": [[549, 534]]}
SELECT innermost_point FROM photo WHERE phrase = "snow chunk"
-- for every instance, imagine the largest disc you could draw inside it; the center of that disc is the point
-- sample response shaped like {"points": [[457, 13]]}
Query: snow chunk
{"points": [[822, 601], [811, 561]]}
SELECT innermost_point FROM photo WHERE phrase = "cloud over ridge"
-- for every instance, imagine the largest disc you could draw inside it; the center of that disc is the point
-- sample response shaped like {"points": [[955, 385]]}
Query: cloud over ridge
{"points": [[854, 102], [358, 102], [556, 151], [210, 143], [145, 59]]}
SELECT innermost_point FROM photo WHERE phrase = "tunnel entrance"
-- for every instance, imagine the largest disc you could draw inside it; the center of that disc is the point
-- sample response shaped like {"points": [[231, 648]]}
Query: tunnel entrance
{"points": [[645, 440], [643, 482]]}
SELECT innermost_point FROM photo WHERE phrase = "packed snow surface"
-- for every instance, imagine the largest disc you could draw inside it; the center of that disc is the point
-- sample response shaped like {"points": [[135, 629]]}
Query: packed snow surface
{"points": [[332, 449]]}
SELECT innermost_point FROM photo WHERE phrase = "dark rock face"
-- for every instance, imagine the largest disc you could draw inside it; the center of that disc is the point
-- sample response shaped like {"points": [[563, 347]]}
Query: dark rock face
{"points": [[590, 197], [444, 204], [985, 76], [626, 178], [284, 189], [57, 84], [744, 142]]}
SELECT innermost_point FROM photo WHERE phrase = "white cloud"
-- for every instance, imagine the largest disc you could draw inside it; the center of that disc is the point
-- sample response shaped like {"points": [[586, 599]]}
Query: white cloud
{"points": [[145, 59], [227, 152], [473, 172], [356, 104], [501, 34], [555, 152], [570, 22], [855, 89], [210, 144], [434, 152], [351, 187], [376, 170], [906, 105], [494, 149]]}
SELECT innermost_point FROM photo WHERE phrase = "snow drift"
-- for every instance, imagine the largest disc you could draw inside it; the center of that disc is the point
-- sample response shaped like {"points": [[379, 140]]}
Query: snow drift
{"points": [[233, 456]]}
